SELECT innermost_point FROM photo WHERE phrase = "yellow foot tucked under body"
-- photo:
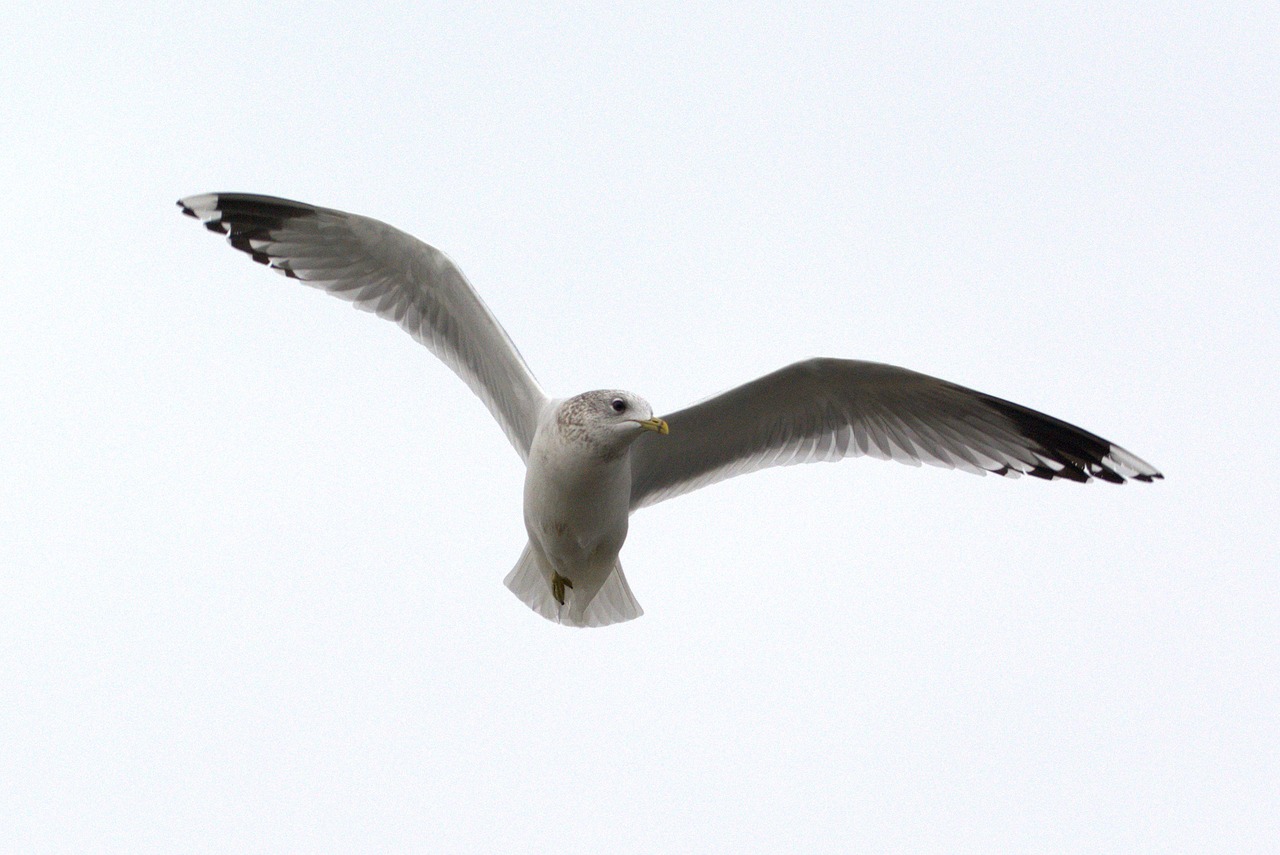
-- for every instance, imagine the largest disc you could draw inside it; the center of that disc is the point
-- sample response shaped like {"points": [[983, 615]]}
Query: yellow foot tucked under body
{"points": [[558, 584]]}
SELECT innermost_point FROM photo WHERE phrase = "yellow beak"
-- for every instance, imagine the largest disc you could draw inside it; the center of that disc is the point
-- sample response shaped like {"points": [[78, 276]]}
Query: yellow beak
{"points": [[655, 424]]}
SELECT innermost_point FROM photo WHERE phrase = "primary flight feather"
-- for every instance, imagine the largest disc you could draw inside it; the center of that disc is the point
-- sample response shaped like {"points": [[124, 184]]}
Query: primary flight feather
{"points": [[593, 459]]}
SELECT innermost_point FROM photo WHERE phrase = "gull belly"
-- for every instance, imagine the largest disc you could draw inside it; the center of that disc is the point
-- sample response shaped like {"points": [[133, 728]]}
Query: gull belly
{"points": [[576, 505]]}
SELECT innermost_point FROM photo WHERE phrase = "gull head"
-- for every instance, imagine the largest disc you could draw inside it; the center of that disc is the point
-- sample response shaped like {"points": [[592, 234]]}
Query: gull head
{"points": [[609, 420]]}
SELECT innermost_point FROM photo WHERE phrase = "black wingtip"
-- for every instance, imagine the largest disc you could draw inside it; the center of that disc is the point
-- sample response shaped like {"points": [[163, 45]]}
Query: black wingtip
{"points": [[1070, 453], [1106, 474], [249, 222]]}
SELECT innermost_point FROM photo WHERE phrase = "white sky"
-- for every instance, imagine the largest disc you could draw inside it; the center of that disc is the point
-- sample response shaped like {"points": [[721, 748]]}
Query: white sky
{"points": [[251, 541]]}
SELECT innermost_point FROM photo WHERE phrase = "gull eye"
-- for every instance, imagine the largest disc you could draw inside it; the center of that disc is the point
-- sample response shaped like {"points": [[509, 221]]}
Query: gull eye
{"points": [[618, 405]]}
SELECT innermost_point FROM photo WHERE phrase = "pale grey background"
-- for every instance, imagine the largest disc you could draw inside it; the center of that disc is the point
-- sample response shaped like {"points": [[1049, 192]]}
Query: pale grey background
{"points": [[251, 541]]}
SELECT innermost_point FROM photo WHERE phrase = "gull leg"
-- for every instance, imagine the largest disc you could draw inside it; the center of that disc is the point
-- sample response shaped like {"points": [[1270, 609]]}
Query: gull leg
{"points": [[558, 584]]}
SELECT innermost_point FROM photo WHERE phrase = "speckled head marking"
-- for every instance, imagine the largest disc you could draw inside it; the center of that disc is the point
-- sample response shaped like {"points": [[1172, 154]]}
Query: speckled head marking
{"points": [[606, 420]]}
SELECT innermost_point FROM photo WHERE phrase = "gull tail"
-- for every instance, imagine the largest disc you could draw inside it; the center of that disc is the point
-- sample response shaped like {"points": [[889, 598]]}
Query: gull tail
{"points": [[530, 580]]}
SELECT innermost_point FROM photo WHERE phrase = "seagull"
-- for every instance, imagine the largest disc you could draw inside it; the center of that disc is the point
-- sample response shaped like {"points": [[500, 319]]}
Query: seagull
{"points": [[593, 459]]}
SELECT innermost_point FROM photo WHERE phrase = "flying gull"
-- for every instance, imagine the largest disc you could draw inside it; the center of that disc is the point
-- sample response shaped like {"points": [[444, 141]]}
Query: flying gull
{"points": [[593, 459]]}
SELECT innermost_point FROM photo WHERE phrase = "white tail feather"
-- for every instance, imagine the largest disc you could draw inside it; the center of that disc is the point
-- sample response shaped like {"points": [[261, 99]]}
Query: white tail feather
{"points": [[530, 580]]}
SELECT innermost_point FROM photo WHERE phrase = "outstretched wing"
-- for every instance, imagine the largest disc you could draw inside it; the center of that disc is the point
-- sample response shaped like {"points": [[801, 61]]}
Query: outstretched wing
{"points": [[829, 409], [394, 275]]}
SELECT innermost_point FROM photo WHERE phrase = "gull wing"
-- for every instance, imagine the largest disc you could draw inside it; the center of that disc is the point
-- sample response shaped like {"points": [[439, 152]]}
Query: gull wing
{"points": [[829, 409], [394, 275]]}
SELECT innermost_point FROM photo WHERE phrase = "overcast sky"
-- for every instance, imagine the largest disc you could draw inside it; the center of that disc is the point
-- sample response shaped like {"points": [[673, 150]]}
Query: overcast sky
{"points": [[252, 541]]}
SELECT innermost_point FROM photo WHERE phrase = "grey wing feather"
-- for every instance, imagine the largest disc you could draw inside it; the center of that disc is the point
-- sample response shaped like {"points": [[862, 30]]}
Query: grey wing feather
{"points": [[829, 409], [394, 275]]}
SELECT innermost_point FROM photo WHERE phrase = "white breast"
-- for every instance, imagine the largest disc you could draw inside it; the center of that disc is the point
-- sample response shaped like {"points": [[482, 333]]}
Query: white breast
{"points": [[576, 505]]}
